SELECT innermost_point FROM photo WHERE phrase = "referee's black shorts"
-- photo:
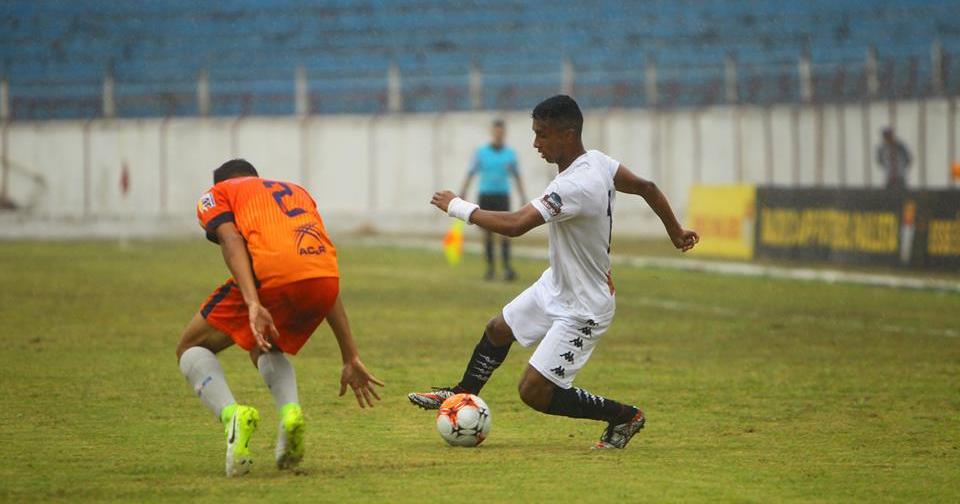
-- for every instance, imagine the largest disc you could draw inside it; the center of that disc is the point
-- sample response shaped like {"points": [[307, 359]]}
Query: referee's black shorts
{"points": [[495, 202]]}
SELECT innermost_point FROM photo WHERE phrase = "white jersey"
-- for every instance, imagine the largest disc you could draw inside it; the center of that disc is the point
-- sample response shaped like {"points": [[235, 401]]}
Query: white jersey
{"points": [[578, 205]]}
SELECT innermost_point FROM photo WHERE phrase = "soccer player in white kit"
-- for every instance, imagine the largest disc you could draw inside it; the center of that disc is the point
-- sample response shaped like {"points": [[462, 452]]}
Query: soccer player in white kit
{"points": [[566, 311]]}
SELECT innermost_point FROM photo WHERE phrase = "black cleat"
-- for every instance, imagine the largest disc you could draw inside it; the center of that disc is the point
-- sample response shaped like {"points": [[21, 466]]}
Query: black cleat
{"points": [[617, 436], [431, 400]]}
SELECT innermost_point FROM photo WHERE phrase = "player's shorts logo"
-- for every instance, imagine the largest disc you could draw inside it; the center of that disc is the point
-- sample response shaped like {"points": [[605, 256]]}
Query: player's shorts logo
{"points": [[553, 203], [206, 202], [309, 230]]}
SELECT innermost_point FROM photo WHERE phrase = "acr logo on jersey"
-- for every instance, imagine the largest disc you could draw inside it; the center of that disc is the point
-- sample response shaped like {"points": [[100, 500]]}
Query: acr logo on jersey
{"points": [[206, 202], [553, 202], [305, 231]]}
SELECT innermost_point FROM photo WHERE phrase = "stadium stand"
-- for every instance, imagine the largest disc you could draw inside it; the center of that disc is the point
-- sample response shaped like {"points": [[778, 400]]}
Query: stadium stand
{"points": [[55, 54]]}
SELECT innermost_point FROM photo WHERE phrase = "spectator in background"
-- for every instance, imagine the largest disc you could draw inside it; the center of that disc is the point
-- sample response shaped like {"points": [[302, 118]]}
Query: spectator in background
{"points": [[894, 158], [495, 163]]}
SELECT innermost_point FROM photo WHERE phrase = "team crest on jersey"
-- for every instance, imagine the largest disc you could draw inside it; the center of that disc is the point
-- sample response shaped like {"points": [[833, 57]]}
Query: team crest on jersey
{"points": [[206, 202], [304, 234], [553, 203]]}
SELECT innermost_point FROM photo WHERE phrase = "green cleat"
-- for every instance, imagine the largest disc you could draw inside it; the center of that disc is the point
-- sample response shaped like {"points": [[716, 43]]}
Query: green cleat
{"points": [[243, 423], [290, 448]]}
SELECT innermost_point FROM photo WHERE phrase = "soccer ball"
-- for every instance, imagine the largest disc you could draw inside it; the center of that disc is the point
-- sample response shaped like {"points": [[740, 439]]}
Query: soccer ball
{"points": [[464, 420]]}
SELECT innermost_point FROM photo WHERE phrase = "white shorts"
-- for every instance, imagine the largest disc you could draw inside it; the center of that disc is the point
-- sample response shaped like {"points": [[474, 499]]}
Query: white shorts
{"points": [[566, 341]]}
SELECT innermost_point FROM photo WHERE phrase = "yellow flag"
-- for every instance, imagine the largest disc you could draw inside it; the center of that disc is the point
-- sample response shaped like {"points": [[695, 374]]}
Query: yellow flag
{"points": [[453, 243]]}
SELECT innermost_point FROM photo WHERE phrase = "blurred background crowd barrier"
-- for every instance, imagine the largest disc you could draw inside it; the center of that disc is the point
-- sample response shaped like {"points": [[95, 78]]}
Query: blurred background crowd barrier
{"points": [[116, 112]]}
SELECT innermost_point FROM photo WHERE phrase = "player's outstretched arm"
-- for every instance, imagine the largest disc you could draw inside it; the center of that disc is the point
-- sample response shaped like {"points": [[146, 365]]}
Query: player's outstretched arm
{"points": [[506, 223], [234, 249], [354, 374], [626, 181]]}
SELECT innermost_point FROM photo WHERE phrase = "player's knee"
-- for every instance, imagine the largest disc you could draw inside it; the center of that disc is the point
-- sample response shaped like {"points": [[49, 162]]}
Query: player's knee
{"points": [[536, 395], [182, 347], [498, 332]]}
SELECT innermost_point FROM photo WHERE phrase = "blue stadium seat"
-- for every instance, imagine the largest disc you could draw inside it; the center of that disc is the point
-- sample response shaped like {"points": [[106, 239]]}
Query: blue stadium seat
{"points": [[55, 53]]}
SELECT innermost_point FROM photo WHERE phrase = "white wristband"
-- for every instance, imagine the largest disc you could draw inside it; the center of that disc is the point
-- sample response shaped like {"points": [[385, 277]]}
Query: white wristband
{"points": [[461, 209]]}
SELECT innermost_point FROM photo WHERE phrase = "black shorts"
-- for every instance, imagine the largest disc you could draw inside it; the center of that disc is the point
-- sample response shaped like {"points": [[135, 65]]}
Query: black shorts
{"points": [[495, 202]]}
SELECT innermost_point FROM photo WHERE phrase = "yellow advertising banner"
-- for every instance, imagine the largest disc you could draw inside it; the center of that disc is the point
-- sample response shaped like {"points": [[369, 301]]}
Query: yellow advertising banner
{"points": [[724, 217]]}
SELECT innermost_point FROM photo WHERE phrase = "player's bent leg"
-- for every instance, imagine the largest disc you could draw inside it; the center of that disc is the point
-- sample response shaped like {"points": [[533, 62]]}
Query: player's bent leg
{"points": [[198, 363], [535, 390], [541, 394], [487, 356], [547, 384], [200, 333], [279, 376]]}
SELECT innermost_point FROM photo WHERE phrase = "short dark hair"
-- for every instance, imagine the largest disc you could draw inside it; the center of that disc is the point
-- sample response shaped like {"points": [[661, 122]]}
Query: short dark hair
{"points": [[498, 123], [234, 168], [562, 110]]}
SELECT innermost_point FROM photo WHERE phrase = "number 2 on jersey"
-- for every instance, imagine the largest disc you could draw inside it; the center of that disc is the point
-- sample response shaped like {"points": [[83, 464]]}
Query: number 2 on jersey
{"points": [[278, 196]]}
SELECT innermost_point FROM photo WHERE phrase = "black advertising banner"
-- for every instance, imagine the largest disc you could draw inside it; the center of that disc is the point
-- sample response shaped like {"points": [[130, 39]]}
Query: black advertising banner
{"points": [[918, 229]]}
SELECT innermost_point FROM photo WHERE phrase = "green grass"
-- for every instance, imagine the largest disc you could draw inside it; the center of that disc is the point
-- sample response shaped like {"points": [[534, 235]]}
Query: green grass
{"points": [[755, 389]]}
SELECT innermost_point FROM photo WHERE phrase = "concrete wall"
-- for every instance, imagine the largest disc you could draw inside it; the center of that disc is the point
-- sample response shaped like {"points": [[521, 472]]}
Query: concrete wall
{"points": [[379, 171]]}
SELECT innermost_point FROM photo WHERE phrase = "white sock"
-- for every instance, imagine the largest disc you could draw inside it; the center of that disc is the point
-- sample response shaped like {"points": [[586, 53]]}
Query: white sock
{"points": [[203, 372], [278, 374]]}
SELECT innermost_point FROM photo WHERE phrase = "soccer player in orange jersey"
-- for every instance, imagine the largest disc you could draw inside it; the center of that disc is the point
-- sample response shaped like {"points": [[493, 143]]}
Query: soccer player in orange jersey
{"points": [[285, 283]]}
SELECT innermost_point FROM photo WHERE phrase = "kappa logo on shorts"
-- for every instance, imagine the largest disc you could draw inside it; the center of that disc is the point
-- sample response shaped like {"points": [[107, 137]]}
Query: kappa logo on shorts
{"points": [[568, 357], [577, 342], [588, 330], [309, 230], [553, 203], [206, 202], [559, 371]]}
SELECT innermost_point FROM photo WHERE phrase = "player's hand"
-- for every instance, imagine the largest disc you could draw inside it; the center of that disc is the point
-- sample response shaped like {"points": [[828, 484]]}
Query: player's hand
{"points": [[442, 199], [262, 326], [355, 375], [685, 240]]}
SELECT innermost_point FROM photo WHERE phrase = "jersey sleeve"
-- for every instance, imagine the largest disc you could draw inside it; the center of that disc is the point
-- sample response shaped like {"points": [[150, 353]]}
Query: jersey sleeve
{"points": [[213, 209], [562, 200], [612, 165]]}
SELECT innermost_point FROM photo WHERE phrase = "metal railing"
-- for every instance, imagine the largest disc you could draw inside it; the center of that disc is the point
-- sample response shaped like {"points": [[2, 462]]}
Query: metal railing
{"points": [[661, 86]]}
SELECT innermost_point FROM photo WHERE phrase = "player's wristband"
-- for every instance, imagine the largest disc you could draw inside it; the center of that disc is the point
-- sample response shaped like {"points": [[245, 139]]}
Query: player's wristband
{"points": [[461, 209]]}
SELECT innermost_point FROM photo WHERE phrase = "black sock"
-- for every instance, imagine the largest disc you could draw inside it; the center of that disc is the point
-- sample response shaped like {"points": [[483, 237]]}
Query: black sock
{"points": [[485, 360], [578, 403]]}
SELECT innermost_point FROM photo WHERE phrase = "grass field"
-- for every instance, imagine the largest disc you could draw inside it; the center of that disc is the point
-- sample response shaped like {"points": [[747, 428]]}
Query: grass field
{"points": [[755, 389]]}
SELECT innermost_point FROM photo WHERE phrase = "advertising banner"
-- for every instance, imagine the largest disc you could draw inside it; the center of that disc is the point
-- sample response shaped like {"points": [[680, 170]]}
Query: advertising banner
{"points": [[723, 216], [919, 229]]}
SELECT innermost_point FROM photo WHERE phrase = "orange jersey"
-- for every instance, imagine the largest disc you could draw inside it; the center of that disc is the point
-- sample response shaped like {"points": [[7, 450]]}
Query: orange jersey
{"points": [[279, 221]]}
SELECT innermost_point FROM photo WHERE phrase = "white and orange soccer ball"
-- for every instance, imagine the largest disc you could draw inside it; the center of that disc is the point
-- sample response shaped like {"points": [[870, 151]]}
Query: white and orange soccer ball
{"points": [[463, 420]]}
